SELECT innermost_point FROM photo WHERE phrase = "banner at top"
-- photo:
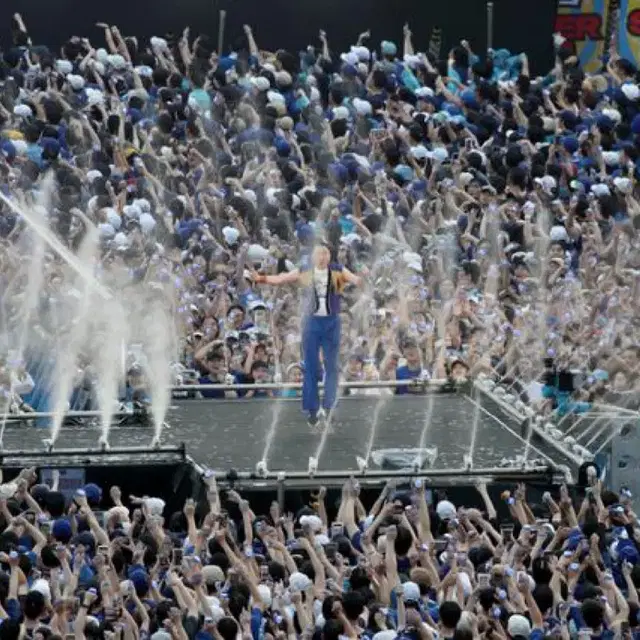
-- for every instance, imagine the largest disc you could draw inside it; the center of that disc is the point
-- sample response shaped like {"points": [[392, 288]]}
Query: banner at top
{"points": [[583, 23], [629, 30]]}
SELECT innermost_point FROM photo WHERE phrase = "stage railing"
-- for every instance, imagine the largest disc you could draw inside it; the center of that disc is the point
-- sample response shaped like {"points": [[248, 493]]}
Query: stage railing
{"points": [[435, 385], [531, 424], [284, 386], [567, 442], [443, 477], [102, 456]]}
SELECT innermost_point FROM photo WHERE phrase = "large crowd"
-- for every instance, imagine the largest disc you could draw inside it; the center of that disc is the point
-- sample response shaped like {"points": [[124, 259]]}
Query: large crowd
{"points": [[118, 567], [491, 216], [492, 212]]}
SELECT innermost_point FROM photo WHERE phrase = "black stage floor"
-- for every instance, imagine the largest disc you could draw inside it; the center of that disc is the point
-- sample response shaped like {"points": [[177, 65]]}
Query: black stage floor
{"points": [[221, 434]]}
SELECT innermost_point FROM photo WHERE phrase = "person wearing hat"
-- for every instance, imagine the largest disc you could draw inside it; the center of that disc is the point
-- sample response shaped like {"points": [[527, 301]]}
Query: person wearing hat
{"points": [[323, 282]]}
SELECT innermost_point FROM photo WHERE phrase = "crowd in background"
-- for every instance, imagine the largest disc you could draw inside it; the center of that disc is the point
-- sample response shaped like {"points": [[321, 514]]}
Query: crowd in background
{"points": [[494, 211], [493, 214]]}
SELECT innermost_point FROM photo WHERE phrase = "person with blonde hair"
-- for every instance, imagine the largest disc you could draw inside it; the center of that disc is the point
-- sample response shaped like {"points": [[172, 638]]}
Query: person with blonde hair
{"points": [[323, 282]]}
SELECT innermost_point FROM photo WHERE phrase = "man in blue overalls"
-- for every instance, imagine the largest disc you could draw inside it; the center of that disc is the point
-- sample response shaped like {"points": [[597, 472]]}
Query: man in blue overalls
{"points": [[323, 282]]}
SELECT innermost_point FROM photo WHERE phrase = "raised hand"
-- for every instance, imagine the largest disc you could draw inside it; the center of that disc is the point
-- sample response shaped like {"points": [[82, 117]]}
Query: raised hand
{"points": [[116, 494], [189, 508]]}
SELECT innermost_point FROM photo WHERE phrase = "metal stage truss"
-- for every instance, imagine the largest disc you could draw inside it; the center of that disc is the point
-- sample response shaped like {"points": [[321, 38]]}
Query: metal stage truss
{"points": [[267, 440], [575, 436]]}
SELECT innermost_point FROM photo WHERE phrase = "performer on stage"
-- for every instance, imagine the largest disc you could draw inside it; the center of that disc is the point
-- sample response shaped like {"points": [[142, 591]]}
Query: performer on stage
{"points": [[323, 282]]}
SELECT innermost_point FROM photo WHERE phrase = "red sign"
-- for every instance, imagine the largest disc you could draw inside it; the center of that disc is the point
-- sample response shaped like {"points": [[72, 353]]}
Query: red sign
{"points": [[582, 26], [633, 23]]}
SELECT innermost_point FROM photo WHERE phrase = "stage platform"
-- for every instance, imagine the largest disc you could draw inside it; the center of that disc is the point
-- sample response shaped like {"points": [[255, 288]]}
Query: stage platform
{"points": [[224, 434]]}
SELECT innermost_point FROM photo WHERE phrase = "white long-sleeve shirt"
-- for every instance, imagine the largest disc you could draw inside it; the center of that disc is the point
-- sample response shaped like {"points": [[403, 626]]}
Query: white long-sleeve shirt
{"points": [[22, 385]]}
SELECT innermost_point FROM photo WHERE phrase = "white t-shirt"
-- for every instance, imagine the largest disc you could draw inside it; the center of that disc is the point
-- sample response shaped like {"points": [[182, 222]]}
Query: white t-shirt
{"points": [[321, 283]]}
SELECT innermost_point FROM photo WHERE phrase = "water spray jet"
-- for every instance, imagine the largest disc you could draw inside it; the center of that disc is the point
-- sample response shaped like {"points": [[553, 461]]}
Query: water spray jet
{"points": [[261, 469]]}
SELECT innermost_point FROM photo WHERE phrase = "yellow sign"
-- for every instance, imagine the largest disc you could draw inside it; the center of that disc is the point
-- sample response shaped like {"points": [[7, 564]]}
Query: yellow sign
{"points": [[583, 24]]}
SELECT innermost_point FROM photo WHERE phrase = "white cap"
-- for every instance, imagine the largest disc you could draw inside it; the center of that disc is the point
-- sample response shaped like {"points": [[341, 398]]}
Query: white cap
{"points": [[340, 113], [21, 147], [275, 96], [22, 110], [265, 594], [283, 78], [217, 612], [299, 581], [611, 157], [76, 81], [322, 539], [600, 190], [312, 521], [362, 107], [143, 204], [131, 211], [350, 58], [631, 91], [102, 55], [147, 223], [42, 586], [106, 230], [413, 261], [144, 71], [158, 43], [121, 512], [446, 510], [8, 489], [622, 184], [558, 234], [231, 235], [412, 61], [419, 151], [113, 218], [260, 83], [439, 154], [271, 195], [548, 183], [424, 92], [155, 506], [518, 625], [612, 114], [64, 67], [362, 52], [116, 61], [410, 592], [256, 253], [94, 96], [388, 634], [465, 178], [121, 240]]}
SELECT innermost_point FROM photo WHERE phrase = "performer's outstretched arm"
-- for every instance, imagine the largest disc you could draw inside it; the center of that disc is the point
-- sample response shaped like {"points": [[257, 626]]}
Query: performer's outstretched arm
{"points": [[351, 278], [288, 277]]}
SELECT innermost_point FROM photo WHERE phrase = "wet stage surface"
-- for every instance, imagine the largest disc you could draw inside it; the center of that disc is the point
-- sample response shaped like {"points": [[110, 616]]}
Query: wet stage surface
{"points": [[221, 434]]}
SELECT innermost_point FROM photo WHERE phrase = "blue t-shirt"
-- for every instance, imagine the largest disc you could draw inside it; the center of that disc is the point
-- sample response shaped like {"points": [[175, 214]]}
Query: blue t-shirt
{"points": [[210, 393], [405, 373]]}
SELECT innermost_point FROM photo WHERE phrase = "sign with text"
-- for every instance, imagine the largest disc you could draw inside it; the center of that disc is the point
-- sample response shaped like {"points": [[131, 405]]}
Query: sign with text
{"points": [[583, 24]]}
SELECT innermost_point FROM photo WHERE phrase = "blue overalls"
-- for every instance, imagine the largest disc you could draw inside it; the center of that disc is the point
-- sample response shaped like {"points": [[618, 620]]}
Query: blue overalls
{"points": [[321, 332]]}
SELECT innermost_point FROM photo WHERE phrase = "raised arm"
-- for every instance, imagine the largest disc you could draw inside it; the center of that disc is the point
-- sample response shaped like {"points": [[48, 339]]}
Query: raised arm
{"points": [[289, 277], [351, 278]]}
